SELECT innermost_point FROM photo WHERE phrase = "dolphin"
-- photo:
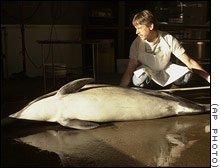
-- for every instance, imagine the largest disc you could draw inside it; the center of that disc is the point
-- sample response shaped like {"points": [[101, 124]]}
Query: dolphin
{"points": [[81, 105]]}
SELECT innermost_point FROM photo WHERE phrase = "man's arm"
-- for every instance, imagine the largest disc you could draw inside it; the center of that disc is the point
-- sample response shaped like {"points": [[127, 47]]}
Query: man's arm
{"points": [[192, 64], [132, 64]]}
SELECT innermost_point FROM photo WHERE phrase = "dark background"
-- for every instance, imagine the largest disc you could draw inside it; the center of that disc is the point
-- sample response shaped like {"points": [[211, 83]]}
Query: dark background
{"points": [[112, 20]]}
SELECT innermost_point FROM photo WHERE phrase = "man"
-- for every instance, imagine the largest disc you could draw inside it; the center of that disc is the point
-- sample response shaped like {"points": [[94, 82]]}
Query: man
{"points": [[150, 55]]}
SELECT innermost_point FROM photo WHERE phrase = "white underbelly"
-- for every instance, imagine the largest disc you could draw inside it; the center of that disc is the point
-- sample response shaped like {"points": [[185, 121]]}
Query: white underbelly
{"points": [[112, 108]]}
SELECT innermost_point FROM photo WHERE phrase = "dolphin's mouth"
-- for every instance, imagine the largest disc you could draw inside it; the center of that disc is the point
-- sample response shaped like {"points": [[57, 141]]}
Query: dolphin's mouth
{"points": [[16, 115]]}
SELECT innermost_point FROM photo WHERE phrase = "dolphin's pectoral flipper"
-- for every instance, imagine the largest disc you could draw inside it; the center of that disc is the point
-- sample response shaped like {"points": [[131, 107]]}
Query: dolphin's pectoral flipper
{"points": [[74, 86], [78, 124]]}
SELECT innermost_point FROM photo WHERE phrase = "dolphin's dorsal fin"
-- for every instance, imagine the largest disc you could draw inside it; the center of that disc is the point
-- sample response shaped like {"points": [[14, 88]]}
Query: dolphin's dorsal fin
{"points": [[78, 124], [74, 86]]}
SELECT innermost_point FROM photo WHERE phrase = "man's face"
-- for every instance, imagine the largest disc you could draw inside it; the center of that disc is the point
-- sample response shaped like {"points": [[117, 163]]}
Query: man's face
{"points": [[143, 31]]}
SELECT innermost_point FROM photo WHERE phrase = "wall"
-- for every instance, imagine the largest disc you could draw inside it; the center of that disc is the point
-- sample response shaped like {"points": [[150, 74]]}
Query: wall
{"points": [[38, 16], [42, 12], [70, 54]]}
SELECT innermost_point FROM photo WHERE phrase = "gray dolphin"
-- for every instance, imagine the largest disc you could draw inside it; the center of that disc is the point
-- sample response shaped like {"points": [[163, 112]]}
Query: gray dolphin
{"points": [[81, 105]]}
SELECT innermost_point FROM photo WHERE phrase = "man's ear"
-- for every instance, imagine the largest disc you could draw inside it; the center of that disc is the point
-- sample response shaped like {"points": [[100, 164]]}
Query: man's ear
{"points": [[151, 27]]}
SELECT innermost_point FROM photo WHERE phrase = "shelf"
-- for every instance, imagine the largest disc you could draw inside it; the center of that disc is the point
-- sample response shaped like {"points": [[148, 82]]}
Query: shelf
{"points": [[194, 40], [182, 25], [101, 27], [204, 62], [102, 17]]}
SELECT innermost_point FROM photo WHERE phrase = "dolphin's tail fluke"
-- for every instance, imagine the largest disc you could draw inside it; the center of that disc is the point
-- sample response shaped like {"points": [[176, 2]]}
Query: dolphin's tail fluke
{"points": [[207, 107], [192, 108]]}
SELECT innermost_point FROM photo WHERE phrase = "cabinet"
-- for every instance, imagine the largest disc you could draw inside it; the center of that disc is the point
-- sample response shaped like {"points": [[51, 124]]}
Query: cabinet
{"points": [[100, 23], [188, 21]]}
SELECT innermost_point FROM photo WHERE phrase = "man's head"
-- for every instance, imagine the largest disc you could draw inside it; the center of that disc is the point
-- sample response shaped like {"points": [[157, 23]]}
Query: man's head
{"points": [[144, 17], [144, 22]]}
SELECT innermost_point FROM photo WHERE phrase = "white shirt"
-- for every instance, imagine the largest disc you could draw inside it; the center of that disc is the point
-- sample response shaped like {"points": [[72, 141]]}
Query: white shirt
{"points": [[154, 57]]}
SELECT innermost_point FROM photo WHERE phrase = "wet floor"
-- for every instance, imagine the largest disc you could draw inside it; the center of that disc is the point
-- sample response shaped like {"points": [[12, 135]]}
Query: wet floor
{"points": [[174, 141]]}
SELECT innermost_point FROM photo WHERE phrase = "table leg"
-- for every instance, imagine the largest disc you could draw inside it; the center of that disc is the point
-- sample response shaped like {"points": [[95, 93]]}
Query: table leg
{"points": [[93, 61], [43, 65]]}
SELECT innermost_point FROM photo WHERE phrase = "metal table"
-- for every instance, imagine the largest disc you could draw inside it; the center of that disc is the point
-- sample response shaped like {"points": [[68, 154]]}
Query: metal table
{"points": [[94, 44]]}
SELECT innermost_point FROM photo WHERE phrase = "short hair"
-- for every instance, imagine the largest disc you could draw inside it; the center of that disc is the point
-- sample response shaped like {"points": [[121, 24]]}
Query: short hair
{"points": [[144, 17]]}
